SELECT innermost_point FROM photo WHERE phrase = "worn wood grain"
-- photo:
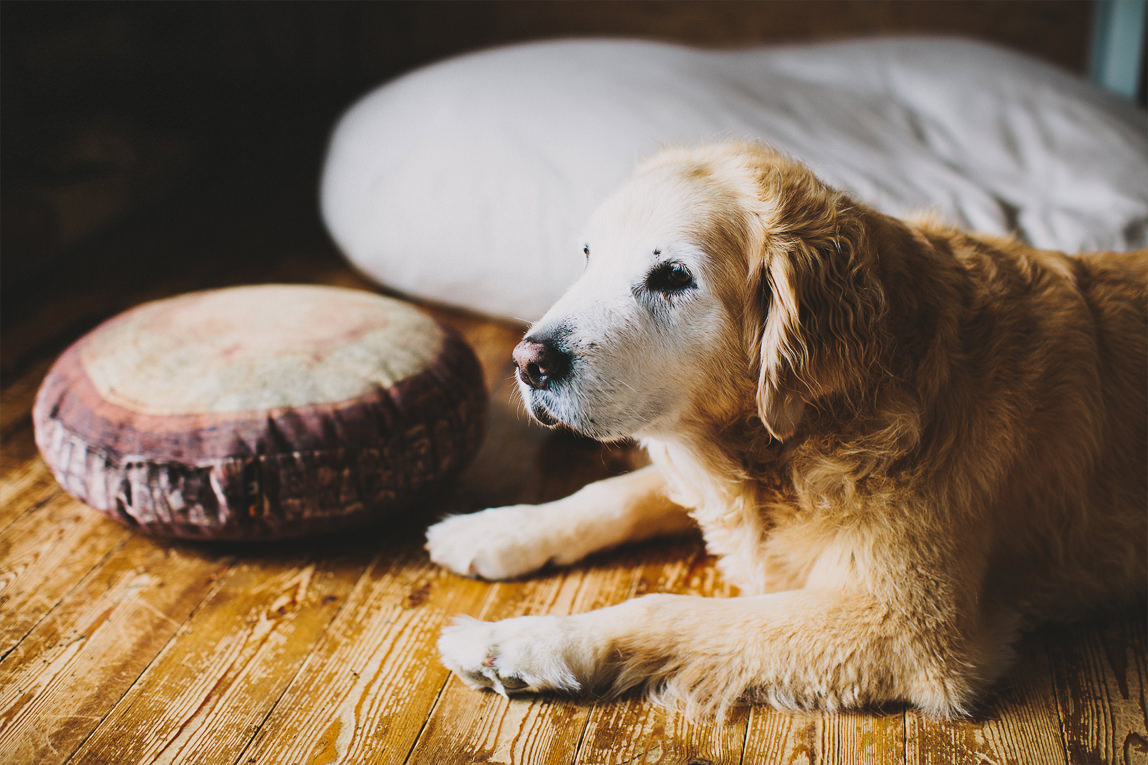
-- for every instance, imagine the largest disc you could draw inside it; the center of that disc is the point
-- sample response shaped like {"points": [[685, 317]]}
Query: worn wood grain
{"points": [[44, 555], [494, 730], [657, 734], [366, 688], [1099, 671], [846, 737], [24, 479], [26, 484], [774, 736], [206, 694], [63, 677], [661, 735]]}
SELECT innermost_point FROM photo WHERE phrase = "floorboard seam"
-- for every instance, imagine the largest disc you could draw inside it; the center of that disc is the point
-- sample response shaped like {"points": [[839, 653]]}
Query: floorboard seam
{"points": [[745, 738], [905, 736], [582, 734], [426, 720]]}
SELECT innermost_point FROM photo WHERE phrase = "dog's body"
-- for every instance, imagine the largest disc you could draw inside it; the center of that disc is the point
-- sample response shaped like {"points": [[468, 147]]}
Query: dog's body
{"points": [[903, 442]]}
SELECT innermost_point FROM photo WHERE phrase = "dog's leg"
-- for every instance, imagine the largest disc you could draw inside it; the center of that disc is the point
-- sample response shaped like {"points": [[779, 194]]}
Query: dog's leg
{"points": [[796, 649], [505, 542]]}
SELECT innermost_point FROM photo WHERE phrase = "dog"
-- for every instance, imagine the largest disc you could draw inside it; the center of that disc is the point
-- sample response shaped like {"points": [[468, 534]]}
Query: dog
{"points": [[905, 445]]}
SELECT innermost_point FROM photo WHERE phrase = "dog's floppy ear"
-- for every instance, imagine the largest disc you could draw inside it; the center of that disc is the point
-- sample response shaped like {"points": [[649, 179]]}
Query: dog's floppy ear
{"points": [[779, 345], [815, 299]]}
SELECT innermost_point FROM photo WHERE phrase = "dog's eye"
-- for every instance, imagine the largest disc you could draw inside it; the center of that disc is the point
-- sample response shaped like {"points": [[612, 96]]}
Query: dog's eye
{"points": [[586, 250], [670, 277]]}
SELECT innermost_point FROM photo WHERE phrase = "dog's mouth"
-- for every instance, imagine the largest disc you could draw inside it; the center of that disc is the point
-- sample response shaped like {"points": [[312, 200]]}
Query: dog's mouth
{"points": [[531, 397], [542, 406], [540, 413]]}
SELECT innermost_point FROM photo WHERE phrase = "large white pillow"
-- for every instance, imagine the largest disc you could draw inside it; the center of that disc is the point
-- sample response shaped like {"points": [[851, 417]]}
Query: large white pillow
{"points": [[466, 182]]}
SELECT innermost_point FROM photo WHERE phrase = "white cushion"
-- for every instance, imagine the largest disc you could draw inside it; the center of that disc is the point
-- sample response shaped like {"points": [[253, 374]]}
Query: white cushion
{"points": [[466, 182]]}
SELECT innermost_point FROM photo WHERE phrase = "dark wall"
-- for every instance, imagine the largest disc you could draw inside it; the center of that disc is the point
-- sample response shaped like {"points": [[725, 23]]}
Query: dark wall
{"points": [[107, 54], [107, 107]]}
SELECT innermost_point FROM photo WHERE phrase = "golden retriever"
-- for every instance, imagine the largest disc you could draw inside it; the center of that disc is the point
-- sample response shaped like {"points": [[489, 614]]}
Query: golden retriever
{"points": [[904, 443]]}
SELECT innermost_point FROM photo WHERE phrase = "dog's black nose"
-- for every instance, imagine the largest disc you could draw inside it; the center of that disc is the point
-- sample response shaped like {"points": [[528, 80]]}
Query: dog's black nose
{"points": [[540, 363]]}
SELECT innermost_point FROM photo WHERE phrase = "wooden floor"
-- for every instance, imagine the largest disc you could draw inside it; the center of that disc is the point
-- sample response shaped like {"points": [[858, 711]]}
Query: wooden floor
{"points": [[117, 648]]}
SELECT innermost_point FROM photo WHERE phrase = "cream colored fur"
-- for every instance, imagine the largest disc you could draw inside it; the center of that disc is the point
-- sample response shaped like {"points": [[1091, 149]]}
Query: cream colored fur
{"points": [[903, 442]]}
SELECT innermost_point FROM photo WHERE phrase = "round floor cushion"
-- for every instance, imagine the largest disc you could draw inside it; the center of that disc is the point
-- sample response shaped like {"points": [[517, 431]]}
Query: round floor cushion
{"points": [[261, 412]]}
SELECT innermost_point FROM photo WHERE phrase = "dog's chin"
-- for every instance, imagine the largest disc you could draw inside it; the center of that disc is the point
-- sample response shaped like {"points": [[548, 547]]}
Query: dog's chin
{"points": [[537, 410], [569, 420], [542, 416]]}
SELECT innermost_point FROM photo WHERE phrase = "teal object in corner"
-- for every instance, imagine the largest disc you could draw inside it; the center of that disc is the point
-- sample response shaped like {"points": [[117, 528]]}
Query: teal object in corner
{"points": [[1118, 46]]}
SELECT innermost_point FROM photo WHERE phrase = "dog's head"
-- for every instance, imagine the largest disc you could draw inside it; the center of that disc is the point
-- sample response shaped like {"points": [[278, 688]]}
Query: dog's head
{"points": [[718, 280]]}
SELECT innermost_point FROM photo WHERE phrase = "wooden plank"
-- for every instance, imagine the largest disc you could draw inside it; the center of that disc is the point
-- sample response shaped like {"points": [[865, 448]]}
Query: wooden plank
{"points": [[24, 486], [64, 677], [486, 730], [1018, 724], [846, 737], [366, 688], [24, 478], [774, 736], [17, 445], [1099, 670], [206, 694], [44, 555], [635, 730]]}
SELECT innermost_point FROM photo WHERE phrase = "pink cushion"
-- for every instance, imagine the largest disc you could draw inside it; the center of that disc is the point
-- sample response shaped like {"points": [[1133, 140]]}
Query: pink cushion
{"points": [[261, 412]]}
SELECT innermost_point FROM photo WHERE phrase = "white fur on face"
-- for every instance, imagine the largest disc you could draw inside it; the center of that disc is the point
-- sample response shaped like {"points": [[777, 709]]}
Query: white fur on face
{"points": [[637, 353]]}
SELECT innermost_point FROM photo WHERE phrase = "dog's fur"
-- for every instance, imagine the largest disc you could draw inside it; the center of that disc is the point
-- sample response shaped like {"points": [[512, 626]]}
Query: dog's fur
{"points": [[904, 443]]}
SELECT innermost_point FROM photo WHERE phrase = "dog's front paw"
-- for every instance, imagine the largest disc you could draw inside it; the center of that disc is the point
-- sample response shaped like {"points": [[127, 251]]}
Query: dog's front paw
{"points": [[526, 654], [499, 543]]}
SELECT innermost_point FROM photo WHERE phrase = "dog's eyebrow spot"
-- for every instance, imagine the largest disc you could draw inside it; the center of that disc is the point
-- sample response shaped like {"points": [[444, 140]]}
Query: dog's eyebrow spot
{"points": [[657, 251]]}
